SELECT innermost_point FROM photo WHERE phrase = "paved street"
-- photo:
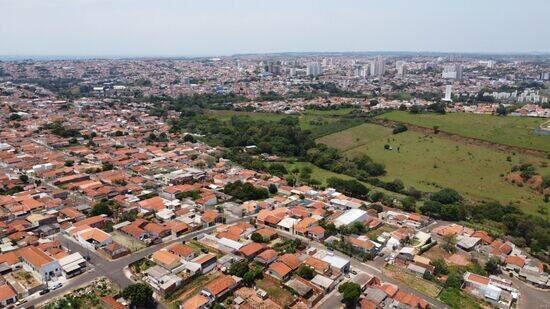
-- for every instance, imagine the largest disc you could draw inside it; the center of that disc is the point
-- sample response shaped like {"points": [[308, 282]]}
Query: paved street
{"points": [[113, 270], [530, 296]]}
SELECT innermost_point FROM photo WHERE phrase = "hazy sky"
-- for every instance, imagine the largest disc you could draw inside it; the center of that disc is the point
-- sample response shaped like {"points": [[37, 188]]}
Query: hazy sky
{"points": [[222, 27]]}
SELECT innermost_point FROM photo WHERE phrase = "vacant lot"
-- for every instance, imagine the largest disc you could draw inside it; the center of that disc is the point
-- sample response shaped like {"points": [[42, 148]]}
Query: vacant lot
{"points": [[277, 293], [355, 136], [513, 131], [402, 275], [427, 161], [127, 241]]}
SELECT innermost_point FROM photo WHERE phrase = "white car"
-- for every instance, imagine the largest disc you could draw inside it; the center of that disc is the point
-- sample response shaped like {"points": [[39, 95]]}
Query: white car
{"points": [[56, 286]]}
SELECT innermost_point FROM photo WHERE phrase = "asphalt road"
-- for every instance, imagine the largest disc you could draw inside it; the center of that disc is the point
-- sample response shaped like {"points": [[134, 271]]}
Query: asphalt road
{"points": [[531, 297], [111, 269]]}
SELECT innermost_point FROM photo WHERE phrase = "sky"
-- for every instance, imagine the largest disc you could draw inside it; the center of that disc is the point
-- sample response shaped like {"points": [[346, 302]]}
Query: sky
{"points": [[225, 27]]}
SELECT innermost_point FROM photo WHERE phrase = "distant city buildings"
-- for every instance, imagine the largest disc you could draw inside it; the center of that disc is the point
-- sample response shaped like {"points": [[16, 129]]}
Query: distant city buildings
{"points": [[402, 68], [453, 71], [313, 69], [377, 67]]}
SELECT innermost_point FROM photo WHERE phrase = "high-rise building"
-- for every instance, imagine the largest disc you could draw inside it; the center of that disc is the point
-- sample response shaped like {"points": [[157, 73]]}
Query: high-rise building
{"points": [[377, 67], [401, 67], [448, 93], [313, 69], [453, 71]]}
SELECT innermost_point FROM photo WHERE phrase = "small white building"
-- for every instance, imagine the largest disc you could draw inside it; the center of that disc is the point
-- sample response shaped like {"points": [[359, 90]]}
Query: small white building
{"points": [[351, 216]]}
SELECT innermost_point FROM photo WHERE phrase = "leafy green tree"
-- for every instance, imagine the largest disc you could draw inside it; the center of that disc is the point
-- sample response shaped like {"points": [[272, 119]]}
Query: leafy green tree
{"points": [[105, 207], [257, 237], [306, 272], [492, 266], [501, 110], [446, 196], [239, 268], [272, 188], [189, 138], [409, 204], [24, 178], [350, 293], [399, 128], [454, 280], [140, 295], [440, 267]]}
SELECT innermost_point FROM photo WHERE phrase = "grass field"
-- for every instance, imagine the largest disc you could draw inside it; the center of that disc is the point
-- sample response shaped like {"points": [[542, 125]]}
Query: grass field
{"points": [[427, 161], [402, 275], [278, 294], [356, 136], [459, 300], [514, 131]]}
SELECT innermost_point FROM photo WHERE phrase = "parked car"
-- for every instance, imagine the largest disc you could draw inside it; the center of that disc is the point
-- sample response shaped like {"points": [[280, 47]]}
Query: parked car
{"points": [[44, 291], [57, 286]]}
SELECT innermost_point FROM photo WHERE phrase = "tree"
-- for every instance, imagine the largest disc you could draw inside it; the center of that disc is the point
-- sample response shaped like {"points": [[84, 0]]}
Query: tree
{"points": [[376, 196], [239, 268], [105, 207], [492, 266], [350, 293], [440, 267], [24, 178], [349, 187], [449, 243], [415, 109], [257, 237], [306, 272], [272, 188], [399, 128], [107, 166], [409, 203], [189, 138], [501, 110], [454, 280], [291, 180], [446, 196], [140, 295]]}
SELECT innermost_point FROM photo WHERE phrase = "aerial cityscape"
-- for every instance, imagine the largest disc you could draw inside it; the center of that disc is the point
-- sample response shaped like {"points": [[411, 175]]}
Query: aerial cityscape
{"points": [[217, 171]]}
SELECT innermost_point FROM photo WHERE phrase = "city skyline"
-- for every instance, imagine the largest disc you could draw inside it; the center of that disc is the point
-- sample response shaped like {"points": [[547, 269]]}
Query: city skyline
{"points": [[100, 28]]}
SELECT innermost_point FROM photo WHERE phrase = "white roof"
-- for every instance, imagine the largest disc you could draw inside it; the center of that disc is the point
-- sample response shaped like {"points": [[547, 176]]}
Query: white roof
{"points": [[322, 281], [230, 243], [288, 222], [71, 262], [350, 216], [336, 261]]}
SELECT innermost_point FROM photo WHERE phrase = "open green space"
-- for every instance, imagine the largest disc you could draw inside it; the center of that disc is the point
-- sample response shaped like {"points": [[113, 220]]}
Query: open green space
{"points": [[355, 136], [277, 293], [322, 175], [430, 163], [413, 281], [510, 130], [458, 300], [319, 122]]}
